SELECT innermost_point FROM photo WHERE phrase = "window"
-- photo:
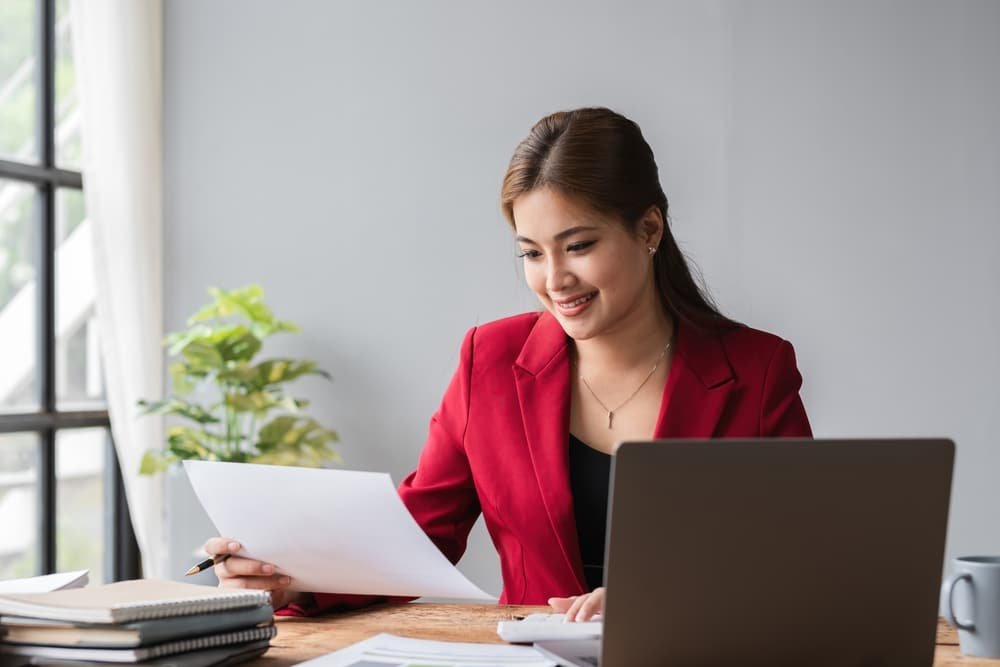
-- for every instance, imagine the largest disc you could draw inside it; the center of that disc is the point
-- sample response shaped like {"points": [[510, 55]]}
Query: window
{"points": [[62, 505]]}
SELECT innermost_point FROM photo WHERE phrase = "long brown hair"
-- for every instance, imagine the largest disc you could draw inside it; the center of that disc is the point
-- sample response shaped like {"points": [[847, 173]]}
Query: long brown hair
{"points": [[601, 157]]}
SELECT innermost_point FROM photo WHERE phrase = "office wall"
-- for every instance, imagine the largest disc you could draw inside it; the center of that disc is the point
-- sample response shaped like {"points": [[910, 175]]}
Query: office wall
{"points": [[831, 167]]}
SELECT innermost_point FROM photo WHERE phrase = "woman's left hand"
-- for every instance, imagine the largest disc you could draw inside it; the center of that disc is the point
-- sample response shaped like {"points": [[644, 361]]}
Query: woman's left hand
{"points": [[580, 607]]}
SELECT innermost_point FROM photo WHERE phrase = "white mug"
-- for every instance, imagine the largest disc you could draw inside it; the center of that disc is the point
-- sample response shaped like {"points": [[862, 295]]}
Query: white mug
{"points": [[978, 622]]}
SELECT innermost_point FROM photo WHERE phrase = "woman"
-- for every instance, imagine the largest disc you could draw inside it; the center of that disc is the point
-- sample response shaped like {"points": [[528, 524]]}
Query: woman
{"points": [[627, 346]]}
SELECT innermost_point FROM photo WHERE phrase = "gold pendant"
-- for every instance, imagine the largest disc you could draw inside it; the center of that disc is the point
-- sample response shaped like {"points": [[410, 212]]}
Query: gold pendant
{"points": [[611, 415]]}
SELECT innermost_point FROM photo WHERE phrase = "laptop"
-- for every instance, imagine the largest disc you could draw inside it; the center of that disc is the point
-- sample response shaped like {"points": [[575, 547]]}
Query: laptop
{"points": [[772, 552]]}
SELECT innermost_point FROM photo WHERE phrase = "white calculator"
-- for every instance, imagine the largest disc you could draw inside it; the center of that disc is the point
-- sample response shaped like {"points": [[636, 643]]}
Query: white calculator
{"points": [[539, 627]]}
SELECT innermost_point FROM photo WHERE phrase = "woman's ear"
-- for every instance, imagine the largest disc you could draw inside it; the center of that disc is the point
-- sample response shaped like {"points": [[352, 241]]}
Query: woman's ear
{"points": [[651, 227]]}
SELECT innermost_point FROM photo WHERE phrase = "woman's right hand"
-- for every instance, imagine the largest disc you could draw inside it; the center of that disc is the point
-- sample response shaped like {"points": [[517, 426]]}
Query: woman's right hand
{"points": [[239, 572], [580, 608]]}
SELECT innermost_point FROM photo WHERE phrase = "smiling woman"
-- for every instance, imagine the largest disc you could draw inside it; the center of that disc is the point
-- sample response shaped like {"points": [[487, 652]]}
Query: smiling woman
{"points": [[627, 346], [595, 165], [574, 259]]}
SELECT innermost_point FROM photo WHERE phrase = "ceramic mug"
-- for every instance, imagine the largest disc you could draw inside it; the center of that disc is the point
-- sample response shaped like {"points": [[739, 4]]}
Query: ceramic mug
{"points": [[979, 632]]}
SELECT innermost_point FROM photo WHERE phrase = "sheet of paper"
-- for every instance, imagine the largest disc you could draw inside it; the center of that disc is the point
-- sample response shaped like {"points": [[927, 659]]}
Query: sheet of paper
{"points": [[331, 531], [45, 583], [387, 650]]}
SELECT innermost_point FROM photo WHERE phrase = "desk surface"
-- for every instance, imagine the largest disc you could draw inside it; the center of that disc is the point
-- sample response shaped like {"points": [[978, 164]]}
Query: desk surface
{"points": [[303, 638]]}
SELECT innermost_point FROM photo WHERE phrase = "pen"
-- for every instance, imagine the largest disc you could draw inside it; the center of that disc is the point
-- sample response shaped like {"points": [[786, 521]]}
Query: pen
{"points": [[205, 564]]}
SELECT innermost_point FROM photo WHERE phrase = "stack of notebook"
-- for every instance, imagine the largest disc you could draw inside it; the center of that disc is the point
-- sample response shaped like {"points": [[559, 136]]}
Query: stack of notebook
{"points": [[148, 621]]}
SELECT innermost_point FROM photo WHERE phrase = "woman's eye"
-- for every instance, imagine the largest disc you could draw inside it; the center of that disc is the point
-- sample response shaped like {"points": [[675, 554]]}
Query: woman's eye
{"points": [[529, 254], [577, 247]]}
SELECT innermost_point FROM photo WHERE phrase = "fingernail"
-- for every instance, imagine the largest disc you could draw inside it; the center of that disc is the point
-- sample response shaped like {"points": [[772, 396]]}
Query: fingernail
{"points": [[234, 546], [268, 568], [285, 580]]}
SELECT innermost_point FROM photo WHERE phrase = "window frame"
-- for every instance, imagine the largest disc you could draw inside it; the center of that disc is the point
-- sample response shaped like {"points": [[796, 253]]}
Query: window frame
{"points": [[121, 551]]}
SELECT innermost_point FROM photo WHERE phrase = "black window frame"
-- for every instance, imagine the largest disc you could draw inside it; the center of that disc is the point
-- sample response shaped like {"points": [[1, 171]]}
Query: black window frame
{"points": [[121, 552]]}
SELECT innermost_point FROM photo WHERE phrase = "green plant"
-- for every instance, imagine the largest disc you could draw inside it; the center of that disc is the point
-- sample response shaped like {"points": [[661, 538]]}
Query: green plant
{"points": [[216, 352]]}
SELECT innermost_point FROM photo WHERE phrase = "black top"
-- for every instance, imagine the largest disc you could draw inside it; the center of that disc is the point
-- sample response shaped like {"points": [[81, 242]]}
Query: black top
{"points": [[589, 478]]}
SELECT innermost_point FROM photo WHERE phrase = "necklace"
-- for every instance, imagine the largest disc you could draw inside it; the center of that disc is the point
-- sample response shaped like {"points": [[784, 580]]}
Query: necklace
{"points": [[611, 413]]}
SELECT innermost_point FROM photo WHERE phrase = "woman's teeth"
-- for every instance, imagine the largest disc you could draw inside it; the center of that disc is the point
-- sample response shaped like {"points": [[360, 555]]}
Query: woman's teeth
{"points": [[577, 302]]}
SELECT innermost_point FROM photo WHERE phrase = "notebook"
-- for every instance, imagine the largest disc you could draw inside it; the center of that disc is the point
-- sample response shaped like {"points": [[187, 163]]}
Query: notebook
{"points": [[143, 653], [23, 630], [222, 656], [128, 601], [772, 552]]}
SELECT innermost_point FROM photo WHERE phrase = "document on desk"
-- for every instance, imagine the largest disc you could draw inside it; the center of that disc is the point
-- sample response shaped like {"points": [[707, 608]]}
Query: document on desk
{"points": [[385, 650], [45, 583], [331, 531]]}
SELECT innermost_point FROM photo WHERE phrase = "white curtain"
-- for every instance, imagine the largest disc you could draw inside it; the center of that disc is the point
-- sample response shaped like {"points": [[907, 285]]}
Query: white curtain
{"points": [[117, 51]]}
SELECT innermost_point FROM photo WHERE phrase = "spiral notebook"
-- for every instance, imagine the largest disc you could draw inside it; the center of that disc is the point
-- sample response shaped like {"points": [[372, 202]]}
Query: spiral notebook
{"points": [[126, 655], [23, 630], [128, 601], [223, 656]]}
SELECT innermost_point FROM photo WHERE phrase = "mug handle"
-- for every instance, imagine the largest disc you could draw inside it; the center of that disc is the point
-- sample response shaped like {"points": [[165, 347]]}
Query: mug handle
{"points": [[949, 609]]}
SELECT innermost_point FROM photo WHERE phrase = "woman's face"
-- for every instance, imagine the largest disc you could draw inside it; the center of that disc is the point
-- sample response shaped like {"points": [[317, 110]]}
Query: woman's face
{"points": [[585, 267]]}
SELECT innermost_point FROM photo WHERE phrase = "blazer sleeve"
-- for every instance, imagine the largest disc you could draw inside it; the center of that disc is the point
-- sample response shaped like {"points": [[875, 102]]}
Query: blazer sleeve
{"points": [[440, 493], [782, 414]]}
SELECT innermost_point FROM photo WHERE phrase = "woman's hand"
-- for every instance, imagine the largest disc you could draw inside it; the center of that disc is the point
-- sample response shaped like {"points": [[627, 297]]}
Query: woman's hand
{"points": [[580, 607], [239, 572]]}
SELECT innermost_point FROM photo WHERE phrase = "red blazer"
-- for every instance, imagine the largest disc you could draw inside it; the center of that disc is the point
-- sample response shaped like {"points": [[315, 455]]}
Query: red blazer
{"points": [[498, 443]]}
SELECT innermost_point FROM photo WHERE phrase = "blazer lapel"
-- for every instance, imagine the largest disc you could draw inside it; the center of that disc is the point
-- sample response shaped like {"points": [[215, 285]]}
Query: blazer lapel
{"points": [[699, 386], [541, 375]]}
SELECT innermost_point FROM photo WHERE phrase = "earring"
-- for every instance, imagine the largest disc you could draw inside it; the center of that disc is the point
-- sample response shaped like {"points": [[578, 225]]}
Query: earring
{"points": [[652, 250]]}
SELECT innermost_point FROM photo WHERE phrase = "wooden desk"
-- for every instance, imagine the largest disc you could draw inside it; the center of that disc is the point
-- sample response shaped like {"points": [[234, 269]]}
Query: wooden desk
{"points": [[303, 638]]}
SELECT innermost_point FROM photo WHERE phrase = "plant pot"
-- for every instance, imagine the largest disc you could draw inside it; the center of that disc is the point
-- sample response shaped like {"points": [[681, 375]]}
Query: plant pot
{"points": [[187, 528]]}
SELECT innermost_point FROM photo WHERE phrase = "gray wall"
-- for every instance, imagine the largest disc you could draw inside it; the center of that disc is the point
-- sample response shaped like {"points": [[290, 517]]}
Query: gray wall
{"points": [[832, 168]]}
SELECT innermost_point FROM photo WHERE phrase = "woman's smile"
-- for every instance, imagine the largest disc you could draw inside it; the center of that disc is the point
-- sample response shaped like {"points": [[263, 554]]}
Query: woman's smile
{"points": [[574, 305]]}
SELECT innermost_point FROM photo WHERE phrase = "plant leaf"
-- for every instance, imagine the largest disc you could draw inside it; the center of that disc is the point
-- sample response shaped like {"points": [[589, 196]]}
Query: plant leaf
{"points": [[180, 378], [202, 357], [269, 372], [256, 401], [241, 373], [263, 330], [175, 406], [274, 431], [190, 443], [207, 347], [154, 461], [246, 302], [275, 371], [241, 345], [292, 440]]}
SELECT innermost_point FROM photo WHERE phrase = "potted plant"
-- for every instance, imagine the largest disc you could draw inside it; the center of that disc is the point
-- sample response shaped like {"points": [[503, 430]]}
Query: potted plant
{"points": [[227, 405], [247, 415]]}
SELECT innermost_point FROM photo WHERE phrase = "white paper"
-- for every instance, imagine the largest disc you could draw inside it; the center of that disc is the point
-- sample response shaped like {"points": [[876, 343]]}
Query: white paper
{"points": [[392, 651], [331, 531], [45, 583]]}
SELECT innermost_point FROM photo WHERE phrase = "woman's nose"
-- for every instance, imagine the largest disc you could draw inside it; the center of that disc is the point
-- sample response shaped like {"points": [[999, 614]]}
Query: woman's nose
{"points": [[558, 277]]}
